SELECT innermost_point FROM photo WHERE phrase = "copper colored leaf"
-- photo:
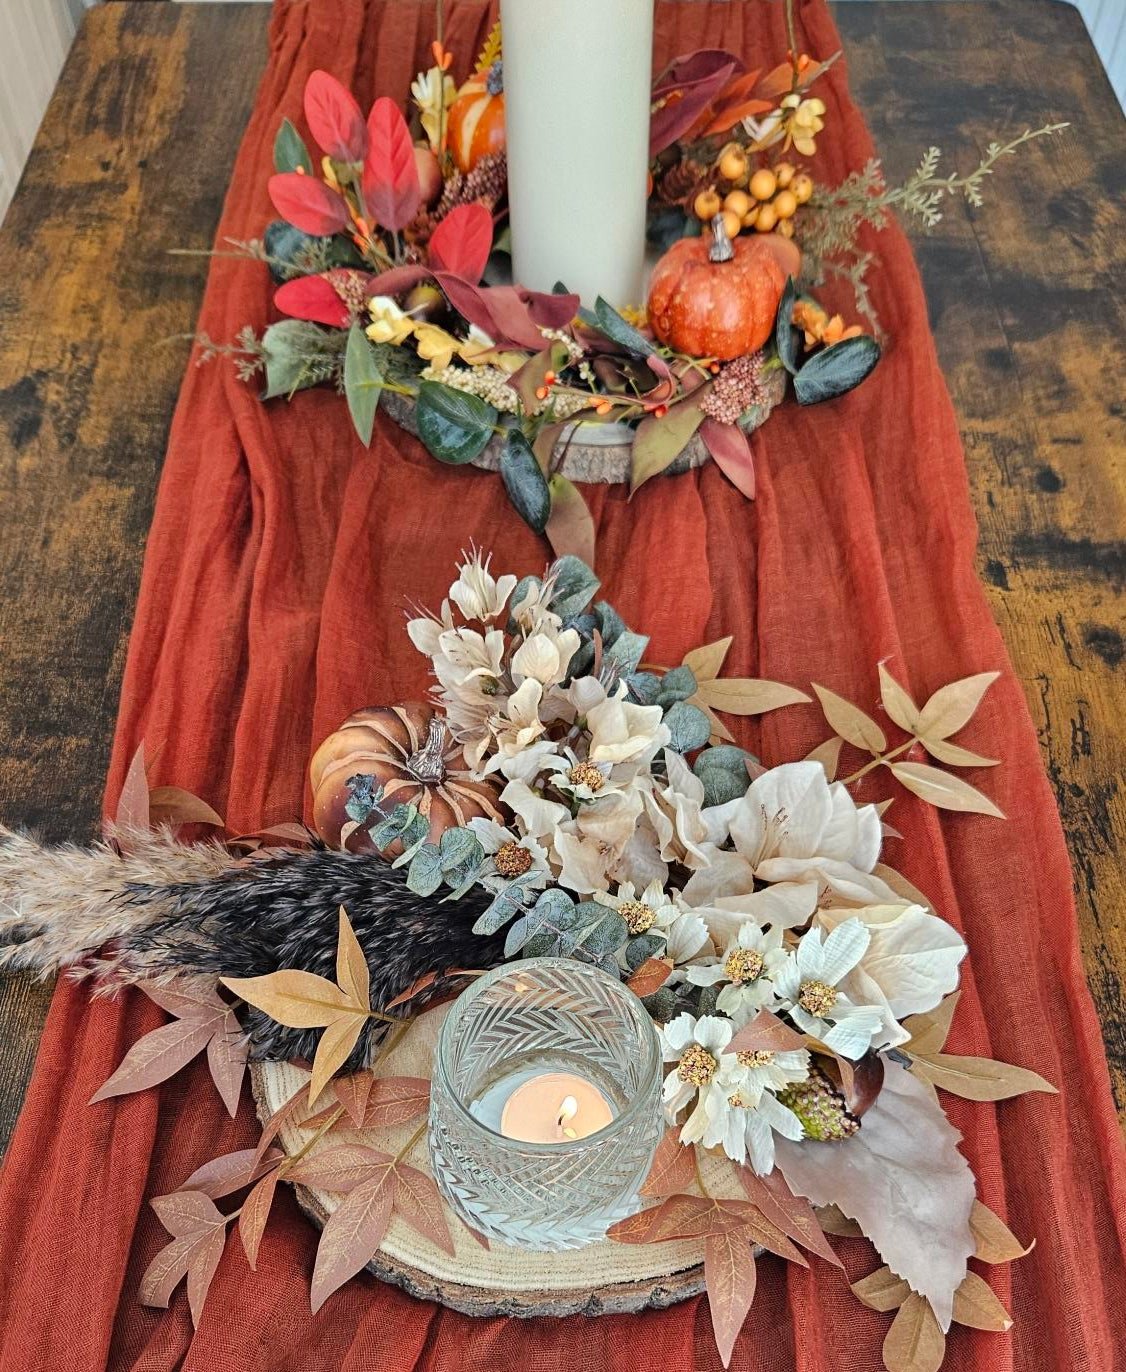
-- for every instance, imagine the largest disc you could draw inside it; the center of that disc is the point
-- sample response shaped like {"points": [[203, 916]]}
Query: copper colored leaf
{"points": [[156, 1057], [882, 1290], [352, 1234], [254, 1214], [231, 1172], [828, 754], [674, 1166], [994, 1240], [333, 1050], [650, 976], [705, 662], [281, 1115], [943, 789], [659, 1222], [186, 999], [351, 966], [340, 1168], [299, 1000], [173, 805], [202, 1264], [914, 1343], [226, 1060], [834, 1221], [419, 1203], [954, 756], [929, 1030], [853, 725], [352, 1092], [951, 708], [570, 526], [978, 1078], [166, 1271], [975, 1305], [186, 1212], [766, 1032], [396, 1100], [423, 983], [897, 702], [747, 695], [731, 453], [659, 442], [793, 1215], [729, 1275], [133, 803]]}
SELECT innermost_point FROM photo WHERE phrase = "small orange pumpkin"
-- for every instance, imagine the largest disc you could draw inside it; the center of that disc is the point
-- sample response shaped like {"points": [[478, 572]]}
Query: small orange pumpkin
{"points": [[411, 753], [715, 299], [476, 118]]}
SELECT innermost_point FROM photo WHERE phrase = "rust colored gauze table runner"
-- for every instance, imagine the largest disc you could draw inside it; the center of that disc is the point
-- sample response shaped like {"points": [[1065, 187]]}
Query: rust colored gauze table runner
{"points": [[281, 555]]}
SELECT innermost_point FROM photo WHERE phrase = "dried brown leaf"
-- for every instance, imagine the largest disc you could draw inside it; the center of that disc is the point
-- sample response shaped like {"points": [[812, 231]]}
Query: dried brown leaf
{"points": [[570, 526], [978, 1078], [334, 1048], [396, 1100], [352, 1092], [729, 1275], [341, 1168], [768, 1033], [194, 998], [202, 1264], [901, 709], [995, 1241], [975, 1305], [352, 1234], [881, 1290], [674, 1166], [952, 707], [351, 966], [914, 1343], [299, 1000], [828, 754], [848, 720], [954, 756], [929, 1030], [650, 976], [419, 1203], [943, 789], [226, 1060], [718, 728], [254, 1214], [428, 979], [834, 1221], [899, 884], [793, 1215], [156, 1057], [747, 695], [173, 805], [133, 803], [705, 662]]}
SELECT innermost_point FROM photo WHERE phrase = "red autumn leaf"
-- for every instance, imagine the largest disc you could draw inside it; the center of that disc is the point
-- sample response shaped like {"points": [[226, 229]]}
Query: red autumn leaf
{"points": [[729, 1275], [352, 1234], [174, 805], [550, 309], [156, 1057], [313, 298], [418, 1201], [352, 1092], [308, 204], [254, 1214], [462, 242], [685, 92], [674, 1166], [391, 190], [341, 1168], [650, 976], [792, 1214], [334, 118], [231, 1172], [396, 1100], [731, 453], [226, 1060], [765, 1033], [133, 803]]}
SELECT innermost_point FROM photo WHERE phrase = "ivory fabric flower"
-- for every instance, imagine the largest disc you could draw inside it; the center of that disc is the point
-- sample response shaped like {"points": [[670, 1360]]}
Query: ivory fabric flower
{"points": [[389, 322], [538, 816], [426, 629], [580, 778], [544, 656], [744, 970], [695, 1045], [590, 846], [745, 1125], [518, 723], [653, 911], [476, 592], [677, 814], [808, 985], [513, 855], [465, 655], [621, 731]]}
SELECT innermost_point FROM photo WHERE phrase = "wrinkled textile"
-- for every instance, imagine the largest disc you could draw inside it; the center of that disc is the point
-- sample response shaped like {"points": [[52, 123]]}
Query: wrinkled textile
{"points": [[281, 556]]}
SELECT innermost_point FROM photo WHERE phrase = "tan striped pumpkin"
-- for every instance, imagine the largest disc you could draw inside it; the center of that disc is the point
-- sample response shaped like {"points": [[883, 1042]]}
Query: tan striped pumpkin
{"points": [[411, 753]]}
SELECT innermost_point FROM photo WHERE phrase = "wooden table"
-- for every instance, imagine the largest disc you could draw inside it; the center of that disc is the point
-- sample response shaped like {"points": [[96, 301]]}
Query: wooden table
{"points": [[134, 156]]}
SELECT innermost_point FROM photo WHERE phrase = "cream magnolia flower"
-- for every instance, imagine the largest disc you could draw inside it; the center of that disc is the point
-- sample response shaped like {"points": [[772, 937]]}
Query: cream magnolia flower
{"points": [[676, 811], [531, 612], [518, 724], [513, 856], [539, 817], [590, 847], [792, 811], [434, 92], [621, 731], [585, 692], [465, 655], [744, 1125], [544, 656], [808, 985], [426, 629], [695, 1045], [389, 322], [744, 969], [477, 593]]}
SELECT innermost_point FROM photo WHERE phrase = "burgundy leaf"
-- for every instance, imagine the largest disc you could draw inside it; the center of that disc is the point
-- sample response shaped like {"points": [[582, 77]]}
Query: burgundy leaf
{"points": [[513, 315], [674, 1166], [352, 1092], [392, 193], [133, 803], [334, 118], [731, 453], [254, 1214], [550, 311], [729, 1275], [231, 1172], [313, 298], [308, 204], [226, 1060], [352, 1234], [685, 92], [419, 1202], [462, 242], [156, 1057]]}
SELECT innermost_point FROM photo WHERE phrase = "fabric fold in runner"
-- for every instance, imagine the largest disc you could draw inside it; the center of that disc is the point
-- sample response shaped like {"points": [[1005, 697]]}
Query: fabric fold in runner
{"points": [[280, 558]]}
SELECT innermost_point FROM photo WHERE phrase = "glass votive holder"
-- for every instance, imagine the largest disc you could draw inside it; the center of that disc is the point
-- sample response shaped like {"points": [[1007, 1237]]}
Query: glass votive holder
{"points": [[545, 1103]]}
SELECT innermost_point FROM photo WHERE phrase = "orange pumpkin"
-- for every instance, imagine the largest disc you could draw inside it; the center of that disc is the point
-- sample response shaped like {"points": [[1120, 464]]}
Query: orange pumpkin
{"points": [[411, 753], [476, 118], [715, 299]]}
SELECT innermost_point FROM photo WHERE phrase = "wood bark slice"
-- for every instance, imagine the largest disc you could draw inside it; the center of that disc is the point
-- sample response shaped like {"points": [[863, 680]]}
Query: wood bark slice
{"points": [[592, 452], [600, 1279]]}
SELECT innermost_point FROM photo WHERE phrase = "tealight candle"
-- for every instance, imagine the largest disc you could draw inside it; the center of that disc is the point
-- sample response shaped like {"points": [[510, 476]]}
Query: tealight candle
{"points": [[555, 1107]]}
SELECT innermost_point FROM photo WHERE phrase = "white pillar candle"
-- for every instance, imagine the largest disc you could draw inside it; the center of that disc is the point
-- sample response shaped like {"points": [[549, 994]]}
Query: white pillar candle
{"points": [[577, 86]]}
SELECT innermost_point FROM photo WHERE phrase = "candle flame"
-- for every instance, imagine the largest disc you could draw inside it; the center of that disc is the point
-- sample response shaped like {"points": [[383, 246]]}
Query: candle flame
{"points": [[568, 1109]]}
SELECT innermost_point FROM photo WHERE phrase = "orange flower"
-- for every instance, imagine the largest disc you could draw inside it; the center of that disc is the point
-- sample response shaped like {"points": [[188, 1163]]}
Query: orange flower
{"points": [[819, 328], [442, 58]]}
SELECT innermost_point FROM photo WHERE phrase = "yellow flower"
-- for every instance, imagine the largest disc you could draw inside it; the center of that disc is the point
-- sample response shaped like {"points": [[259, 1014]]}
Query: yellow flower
{"points": [[434, 92], [390, 324], [435, 345]]}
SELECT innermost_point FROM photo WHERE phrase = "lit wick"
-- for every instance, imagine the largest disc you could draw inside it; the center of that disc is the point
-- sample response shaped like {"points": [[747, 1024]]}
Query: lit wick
{"points": [[568, 1109]]}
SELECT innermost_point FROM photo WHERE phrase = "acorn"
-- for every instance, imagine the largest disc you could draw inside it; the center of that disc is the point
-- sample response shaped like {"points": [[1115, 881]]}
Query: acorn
{"points": [[425, 302]]}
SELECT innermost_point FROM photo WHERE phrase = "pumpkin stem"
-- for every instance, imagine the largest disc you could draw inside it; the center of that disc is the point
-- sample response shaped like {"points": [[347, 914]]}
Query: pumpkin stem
{"points": [[494, 82], [721, 249], [429, 763]]}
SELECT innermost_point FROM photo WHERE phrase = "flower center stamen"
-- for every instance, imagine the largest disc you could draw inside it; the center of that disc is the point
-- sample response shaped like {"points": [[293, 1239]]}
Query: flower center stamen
{"points": [[512, 860], [586, 774], [815, 997], [697, 1066], [744, 964], [755, 1057], [638, 916]]}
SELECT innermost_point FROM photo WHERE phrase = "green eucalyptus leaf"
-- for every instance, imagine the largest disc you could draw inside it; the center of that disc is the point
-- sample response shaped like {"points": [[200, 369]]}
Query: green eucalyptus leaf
{"points": [[661, 1005], [364, 794], [641, 948], [785, 335], [611, 325], [600, 930], [454, 426], [460, 848], [645, 687], [575, 586], [424, 875], [689, 727], [610, 622], [525, 482], [833, 371], [626, 651], [509, 901], [290, 152], [677, 684], [363, 384]]}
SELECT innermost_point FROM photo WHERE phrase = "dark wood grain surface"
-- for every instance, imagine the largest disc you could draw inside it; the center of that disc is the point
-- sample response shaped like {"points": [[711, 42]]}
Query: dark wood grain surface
{"points": [[1026, 306]]}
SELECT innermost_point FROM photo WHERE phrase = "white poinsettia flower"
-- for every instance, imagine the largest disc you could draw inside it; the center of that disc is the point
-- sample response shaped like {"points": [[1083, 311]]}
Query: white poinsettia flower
{"points": [[537, 816], [544, 656], [585, 692], [477, 593], [513, 855], [696, 1046], [425, 630], [744, 969], [911, 962], [793, 811], [709, 891], [621, 731], [744, 1127], [808, 984]]}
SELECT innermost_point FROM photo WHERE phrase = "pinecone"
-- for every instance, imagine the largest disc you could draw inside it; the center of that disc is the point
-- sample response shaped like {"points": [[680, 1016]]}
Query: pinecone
{"points": [[820, 1107], [682, 183], [736, 389], [487, 182]]}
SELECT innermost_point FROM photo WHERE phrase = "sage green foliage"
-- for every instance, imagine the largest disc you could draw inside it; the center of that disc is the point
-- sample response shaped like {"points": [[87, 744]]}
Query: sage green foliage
{"points": [[363, 383], [454, 426], [298, 354], [290, 152]]}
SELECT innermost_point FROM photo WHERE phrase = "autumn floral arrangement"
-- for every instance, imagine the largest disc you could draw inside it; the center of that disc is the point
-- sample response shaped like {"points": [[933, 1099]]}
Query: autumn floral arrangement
{"points": [[559, 795]]}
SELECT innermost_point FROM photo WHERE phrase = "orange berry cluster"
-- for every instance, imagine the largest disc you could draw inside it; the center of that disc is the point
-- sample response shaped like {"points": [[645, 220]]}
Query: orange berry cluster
{"points": [[765, 200]]}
